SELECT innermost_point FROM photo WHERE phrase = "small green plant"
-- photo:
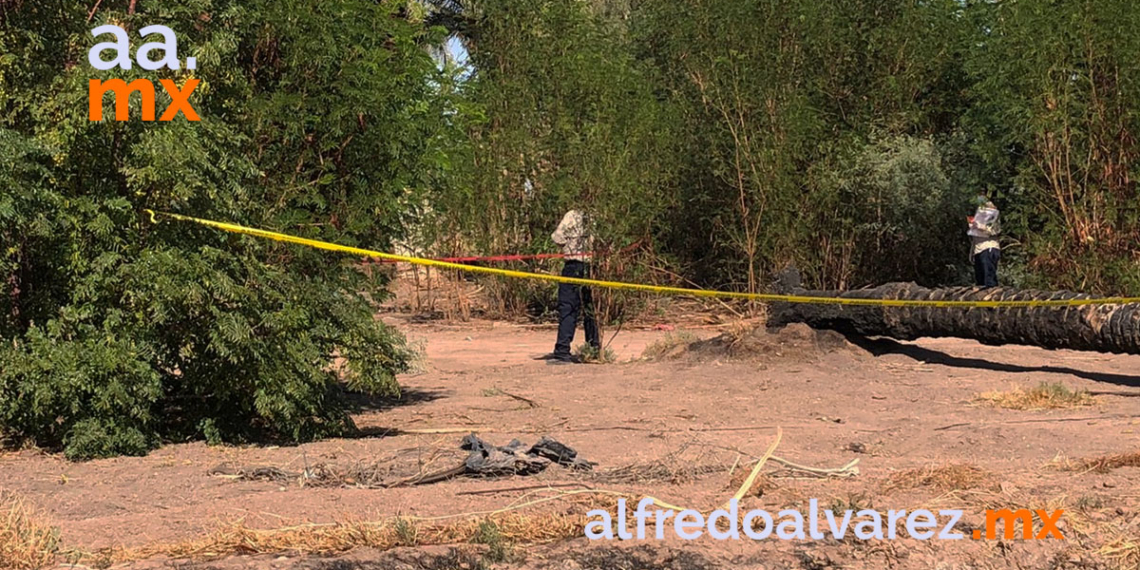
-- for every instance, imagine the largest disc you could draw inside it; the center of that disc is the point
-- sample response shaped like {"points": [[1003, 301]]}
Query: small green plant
{"points": [[406, 531], [590, 354], [416, 354], [1090, 503], [499, 549], [854, 502]]}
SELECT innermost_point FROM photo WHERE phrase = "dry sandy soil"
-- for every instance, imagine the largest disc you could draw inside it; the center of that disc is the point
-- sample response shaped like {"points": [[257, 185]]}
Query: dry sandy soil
{"points": [[685, 429]]}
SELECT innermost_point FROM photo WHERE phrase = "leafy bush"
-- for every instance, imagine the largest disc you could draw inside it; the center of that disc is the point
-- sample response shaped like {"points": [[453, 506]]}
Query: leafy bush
{"points": [[119, 331], [736, 137], [908, 220]]}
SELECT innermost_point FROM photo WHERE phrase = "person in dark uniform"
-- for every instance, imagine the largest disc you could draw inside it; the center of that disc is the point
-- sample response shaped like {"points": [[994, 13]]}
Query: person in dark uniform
{"points": [[573, 234], [985, 251]]}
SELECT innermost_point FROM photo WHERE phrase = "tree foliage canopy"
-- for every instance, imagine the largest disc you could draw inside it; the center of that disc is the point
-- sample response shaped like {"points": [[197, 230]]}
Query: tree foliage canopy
{"points": [[319, 118], [847, 138]]}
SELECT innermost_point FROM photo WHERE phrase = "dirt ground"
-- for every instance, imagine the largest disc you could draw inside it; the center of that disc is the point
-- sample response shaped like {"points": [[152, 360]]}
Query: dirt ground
{"points": [[683, 428]]}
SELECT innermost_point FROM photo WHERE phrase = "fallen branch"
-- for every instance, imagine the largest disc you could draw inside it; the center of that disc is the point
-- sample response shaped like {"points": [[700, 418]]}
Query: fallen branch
{"points": [[94, 9], [527, 401], [425, 479]]}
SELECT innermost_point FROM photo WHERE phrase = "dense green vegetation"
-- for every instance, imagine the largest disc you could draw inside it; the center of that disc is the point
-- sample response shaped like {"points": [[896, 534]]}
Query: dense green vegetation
{"points": [[317, 117], [713, 141], [733, 137]]}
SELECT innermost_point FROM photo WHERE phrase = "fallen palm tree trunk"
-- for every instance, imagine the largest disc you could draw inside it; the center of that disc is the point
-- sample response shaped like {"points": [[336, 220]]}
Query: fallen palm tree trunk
{"points": [[1102, 328]]}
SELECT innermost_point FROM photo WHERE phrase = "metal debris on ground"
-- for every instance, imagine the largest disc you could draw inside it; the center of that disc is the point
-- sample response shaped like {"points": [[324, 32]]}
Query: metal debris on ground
{"points": [[483, 460], [487, 459]]}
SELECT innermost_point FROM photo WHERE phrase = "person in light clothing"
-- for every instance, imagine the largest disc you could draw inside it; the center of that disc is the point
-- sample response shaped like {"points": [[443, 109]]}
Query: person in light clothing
{"points": [[985, 251], [574, 235]]}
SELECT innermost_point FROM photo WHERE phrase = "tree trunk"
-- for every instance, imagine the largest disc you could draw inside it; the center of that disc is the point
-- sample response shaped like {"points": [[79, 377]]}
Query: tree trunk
{"points": [[1101, 328]]}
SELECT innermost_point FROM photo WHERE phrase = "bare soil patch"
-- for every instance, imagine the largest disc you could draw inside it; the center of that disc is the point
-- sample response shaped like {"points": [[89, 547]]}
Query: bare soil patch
{"points": [[685, 430]]}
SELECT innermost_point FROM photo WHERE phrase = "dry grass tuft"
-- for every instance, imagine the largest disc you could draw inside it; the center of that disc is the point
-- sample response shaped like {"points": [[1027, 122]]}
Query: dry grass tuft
{"points": [[1123, 552], [737, 332], [595, 356], [1107, 463], [686, 464], [945, 478], [672, 345], [26, 541], [1045, 396], [658, 472], [1094, 531], [510, 528]]}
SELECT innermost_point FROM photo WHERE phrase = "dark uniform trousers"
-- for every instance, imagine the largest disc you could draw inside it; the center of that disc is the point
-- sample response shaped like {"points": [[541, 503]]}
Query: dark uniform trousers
{"points": [[986, 266], [572, 301]]}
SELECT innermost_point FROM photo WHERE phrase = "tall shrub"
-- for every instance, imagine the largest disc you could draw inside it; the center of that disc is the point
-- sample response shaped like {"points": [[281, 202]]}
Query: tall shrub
{"points": [[318, 118]]}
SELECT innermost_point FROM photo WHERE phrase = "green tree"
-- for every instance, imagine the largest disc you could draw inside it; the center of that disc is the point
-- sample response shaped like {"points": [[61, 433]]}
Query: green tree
{"points": [[775, 102], [1055, 109], [560, 117], [319, 118]]}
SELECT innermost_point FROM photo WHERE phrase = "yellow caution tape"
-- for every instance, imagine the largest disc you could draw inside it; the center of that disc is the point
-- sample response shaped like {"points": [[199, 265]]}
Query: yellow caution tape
{"points": [[767, 297]]}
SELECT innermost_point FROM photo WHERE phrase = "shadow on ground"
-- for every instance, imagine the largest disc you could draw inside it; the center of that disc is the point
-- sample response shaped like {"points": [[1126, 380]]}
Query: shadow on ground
{"points": [[408, 397], [883, 346]]}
